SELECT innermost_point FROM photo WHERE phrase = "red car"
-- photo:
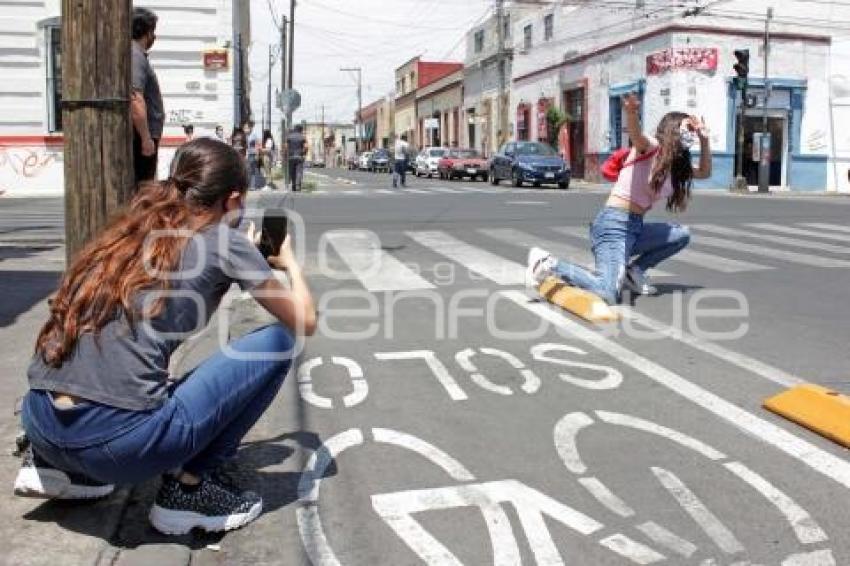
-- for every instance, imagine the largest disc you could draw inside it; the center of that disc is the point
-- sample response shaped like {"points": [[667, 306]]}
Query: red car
{"points": [[463, 163]]}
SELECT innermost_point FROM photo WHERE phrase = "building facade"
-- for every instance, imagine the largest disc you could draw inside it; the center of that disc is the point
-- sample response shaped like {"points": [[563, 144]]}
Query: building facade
{"points": [[678, 62], [198, 84], [384, 133], [487, 79], [410, 77], [327, 142], [368, 120], [438, 108]]}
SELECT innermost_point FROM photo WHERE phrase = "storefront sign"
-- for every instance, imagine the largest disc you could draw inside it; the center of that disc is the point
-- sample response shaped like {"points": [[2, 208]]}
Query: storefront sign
{"points": [[215, 59], [694, 58], [431, 123]]}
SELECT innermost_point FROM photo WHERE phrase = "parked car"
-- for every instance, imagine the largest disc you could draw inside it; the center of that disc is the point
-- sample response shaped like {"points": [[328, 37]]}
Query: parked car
{"points": [[462, 163], [427, 161], [379, 161], [529, 162], [363, 163]]}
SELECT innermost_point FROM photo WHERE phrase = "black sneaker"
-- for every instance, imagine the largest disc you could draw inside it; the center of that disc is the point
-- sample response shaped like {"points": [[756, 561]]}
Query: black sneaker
{"points": [[37, 478], [211, 506]]}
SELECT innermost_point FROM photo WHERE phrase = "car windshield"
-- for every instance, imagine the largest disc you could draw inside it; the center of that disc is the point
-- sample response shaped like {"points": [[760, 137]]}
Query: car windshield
{"points": [[437, 152], [464, 154], [381, 153], [534, 148]]}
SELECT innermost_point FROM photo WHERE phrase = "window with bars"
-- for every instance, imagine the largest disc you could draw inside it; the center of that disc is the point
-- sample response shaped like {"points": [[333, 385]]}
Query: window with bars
{"points": [[527, 34], [479, 41], [54, 78], [548, 27]]}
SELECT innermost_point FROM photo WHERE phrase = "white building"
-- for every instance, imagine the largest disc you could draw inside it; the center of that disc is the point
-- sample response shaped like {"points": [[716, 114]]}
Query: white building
{"points": [[584, 58], [31, 139]]}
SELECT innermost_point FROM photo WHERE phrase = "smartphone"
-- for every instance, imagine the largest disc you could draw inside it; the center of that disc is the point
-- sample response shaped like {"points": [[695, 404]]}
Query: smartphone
{"points": [[274, 231]]}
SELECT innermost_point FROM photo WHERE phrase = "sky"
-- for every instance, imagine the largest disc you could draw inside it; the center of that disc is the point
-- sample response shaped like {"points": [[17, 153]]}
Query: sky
{"points": [[376, 35]]}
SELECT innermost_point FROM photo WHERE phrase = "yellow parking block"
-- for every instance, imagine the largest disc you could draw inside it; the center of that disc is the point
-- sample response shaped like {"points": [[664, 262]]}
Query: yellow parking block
{"points": [[817, 408], [578, 301]]}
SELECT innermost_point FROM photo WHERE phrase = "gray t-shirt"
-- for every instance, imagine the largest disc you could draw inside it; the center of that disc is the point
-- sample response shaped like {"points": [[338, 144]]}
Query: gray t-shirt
{"points": [[295, 143], [127, 365], [144, 80]]}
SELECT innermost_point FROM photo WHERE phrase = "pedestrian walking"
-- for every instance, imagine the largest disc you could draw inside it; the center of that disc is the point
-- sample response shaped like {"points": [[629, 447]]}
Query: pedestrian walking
{"points": [[296, 150], [624, 246], [146, 109], [101, 408], [269, 153], [189, 132], [401, 152], [239, 142], [253, 155], [219, 132]]}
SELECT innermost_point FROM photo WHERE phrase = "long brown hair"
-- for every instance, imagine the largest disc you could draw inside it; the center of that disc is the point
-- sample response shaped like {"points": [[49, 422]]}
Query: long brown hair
{"points": [[106, 275], [673, 160]]}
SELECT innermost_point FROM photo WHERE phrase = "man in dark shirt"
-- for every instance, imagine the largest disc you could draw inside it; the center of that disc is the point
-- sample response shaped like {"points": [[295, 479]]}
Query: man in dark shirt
{"points": [[296, 149], [146, 108]]}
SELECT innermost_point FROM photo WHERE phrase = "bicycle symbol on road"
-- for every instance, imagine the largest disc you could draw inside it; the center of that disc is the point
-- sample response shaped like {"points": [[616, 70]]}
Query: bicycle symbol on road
{"points": [[533, 508]]}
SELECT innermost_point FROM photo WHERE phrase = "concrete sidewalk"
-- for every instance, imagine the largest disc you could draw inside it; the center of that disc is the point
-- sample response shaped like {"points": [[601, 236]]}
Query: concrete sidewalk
{"points": [[114, 530]]}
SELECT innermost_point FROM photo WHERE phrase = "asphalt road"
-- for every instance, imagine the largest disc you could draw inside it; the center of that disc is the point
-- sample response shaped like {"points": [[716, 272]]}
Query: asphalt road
{"points": [[444, 415]]}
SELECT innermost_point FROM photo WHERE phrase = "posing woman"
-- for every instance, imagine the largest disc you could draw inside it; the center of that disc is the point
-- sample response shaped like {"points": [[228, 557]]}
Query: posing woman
{"points": [[624, 246], [101, 409]]}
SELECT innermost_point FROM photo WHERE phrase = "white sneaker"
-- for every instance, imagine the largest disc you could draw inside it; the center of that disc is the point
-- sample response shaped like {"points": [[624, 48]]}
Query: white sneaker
{"points": [[638, 282], [540, 264]]}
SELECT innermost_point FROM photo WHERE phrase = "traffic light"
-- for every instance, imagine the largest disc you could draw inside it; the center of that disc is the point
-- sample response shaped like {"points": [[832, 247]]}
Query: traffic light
{"points": [[742, 67]]}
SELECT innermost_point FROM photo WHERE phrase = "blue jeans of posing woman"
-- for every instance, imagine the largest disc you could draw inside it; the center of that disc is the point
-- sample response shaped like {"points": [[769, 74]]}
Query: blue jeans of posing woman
{"points": [[616, 237], [198, 427]]}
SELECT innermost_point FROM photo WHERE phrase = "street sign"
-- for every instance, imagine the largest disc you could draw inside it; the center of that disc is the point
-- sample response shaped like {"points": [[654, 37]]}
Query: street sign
{"points": [[289, 101]]}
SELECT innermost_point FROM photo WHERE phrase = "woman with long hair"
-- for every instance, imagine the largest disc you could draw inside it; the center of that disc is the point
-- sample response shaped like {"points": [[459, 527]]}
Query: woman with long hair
{"points": [[102, 410], [624, 246]]}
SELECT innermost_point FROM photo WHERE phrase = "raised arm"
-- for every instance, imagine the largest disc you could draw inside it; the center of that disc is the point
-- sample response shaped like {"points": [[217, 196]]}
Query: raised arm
{"points": [[703, 171], [631, 109]]}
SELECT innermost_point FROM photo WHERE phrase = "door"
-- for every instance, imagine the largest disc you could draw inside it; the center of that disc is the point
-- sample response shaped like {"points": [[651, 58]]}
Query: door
{"points": [[574, 104], [777, 126]]}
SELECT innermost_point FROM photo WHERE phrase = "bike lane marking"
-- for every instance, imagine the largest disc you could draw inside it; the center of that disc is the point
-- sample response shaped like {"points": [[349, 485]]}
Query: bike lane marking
{"points": [[807, 453]]}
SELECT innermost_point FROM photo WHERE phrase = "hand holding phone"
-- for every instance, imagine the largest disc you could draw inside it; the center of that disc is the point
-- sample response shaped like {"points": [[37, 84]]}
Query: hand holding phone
{"points": [[274, 232]]}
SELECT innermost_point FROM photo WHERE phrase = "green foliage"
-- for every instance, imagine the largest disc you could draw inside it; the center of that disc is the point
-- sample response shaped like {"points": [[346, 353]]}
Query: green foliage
{"points": [[555, 118]]}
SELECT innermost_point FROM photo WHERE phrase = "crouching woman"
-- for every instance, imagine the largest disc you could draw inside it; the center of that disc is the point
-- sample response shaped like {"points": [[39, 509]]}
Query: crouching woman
{"points": [[101, 409]]}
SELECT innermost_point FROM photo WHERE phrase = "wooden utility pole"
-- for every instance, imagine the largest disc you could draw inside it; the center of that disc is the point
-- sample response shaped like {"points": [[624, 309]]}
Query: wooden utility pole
{"points": [[96, 115]]}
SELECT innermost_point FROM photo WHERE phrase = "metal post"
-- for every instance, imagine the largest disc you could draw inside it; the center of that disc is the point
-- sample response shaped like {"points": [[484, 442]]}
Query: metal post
{"points": [[503, 102], [291, 66], [283, 116], [269, 92], [359, 121], [765, 142]]}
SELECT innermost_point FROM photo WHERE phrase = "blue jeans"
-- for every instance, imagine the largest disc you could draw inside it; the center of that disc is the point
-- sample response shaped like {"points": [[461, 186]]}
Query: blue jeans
{"points": [[400, 172], [255, 175], [198, 427], [616, 237]]}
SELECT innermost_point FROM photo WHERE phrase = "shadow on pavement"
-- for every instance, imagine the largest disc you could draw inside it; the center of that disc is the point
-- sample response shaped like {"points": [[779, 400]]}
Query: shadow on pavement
{"points": [[21, 290], [278, 489]]}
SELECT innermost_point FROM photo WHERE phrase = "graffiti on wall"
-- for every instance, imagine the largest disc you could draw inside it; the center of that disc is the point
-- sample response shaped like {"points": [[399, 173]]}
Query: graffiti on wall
{"points": [[27, 162]]}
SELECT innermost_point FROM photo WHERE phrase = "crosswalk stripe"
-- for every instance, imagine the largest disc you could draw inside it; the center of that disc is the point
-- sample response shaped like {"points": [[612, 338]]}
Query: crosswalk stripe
{"points": [[417, 191], [824, 226], [491, 266], [792, 257], [446, 190], [386, 192], [692, 257], [794, 242], [373, 267], [800, 232]]}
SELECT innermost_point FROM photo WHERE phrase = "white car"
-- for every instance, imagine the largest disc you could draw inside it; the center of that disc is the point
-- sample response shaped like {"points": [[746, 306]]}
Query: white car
{"points": [[363, 162], [427, 160]]}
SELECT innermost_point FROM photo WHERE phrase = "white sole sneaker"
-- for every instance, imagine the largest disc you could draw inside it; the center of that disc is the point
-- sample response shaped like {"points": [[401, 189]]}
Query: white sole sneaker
{"points": [[55, 484], [171, 522], [535, 257]]}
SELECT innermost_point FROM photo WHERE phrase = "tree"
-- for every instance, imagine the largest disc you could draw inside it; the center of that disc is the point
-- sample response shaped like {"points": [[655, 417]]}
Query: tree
{"points": [[555, 118]]}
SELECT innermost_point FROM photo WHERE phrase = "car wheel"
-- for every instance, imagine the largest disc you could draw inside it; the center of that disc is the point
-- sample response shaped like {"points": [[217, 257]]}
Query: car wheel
{"points": [[564, 186], [493, 179], [516, 178]]}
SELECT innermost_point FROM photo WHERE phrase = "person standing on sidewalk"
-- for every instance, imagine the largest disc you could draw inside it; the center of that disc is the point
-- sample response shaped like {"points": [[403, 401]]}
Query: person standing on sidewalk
{"points": [[254, 147], [102, 410], [146, 110], [400, 154], [296, 150]]}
